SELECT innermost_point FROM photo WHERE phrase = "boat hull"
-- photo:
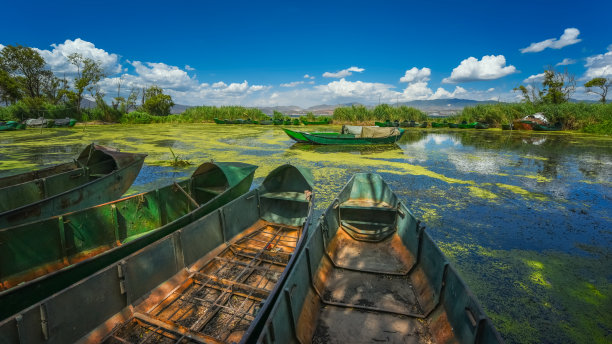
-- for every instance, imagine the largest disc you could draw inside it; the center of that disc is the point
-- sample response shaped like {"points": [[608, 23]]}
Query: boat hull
{"points": [[73, 246], [369, 270], [216, 254], [298, 136], [70, 190], [348, 139]]}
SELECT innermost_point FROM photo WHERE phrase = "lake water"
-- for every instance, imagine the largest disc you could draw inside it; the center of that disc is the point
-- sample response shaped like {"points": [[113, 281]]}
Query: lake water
{"points": [[526, 217]]}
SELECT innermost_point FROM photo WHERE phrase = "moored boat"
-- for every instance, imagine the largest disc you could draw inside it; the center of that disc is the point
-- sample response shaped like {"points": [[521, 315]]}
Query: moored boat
{"points": [[99, 174], [298, 136], [210, 281], [480, 125], [321, 122], [438, 125], [40, 258], [453, 125], [466, 125], [523, 125], [357, 135], [387, 124], [541, 127], [11, 125], [423, 125], [370, 271], [506, 127]]}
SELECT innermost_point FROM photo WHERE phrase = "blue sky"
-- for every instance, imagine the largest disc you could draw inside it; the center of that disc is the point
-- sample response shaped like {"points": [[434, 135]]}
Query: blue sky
{"points": [[252, 53]]}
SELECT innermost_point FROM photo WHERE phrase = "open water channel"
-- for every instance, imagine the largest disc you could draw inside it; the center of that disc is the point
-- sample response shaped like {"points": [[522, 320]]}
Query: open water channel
{"points": [[526, 217]]}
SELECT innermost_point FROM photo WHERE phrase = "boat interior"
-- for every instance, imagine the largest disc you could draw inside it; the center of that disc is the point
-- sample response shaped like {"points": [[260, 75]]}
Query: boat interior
{"points": [[370, 273], [37, 185], [38, 248]]}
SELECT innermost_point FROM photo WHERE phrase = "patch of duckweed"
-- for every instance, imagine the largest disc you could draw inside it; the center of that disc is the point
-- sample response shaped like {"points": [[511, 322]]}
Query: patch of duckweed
{"points": [[482, 193], [520, 191], [535, 297]]}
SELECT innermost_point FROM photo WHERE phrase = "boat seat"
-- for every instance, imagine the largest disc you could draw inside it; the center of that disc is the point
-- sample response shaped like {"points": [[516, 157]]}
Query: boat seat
{"points": [[211, 190], [368, 220], [286, 195]]}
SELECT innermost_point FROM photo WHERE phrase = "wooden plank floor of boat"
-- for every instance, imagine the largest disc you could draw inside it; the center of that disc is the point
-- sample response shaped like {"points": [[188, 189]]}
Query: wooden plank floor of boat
{"points": [[371, 275], [218, 302]]}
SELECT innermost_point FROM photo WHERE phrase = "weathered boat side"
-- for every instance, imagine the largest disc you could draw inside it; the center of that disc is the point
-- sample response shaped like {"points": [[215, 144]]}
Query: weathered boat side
{"points": [[368, 272], [248, 239], [98, 175], [298, 136], [43, 257], [349, 139]]}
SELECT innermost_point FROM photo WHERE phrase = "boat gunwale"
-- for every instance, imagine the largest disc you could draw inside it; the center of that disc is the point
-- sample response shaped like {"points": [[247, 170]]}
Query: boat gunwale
{"points": [[105, 253], [140, 157]]}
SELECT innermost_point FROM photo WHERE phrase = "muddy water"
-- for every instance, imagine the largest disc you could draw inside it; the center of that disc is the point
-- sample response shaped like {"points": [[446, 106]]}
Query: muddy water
{"points": [[526, 217]]}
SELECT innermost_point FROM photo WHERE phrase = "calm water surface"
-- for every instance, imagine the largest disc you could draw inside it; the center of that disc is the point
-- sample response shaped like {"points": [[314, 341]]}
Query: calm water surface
{"points": [[525, 217]]}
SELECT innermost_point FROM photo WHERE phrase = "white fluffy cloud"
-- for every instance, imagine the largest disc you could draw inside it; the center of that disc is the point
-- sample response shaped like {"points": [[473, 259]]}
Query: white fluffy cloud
{"points": [[566, 62], [163, 75], [342, 73], [490, 67], [599, 65], [569, 37], [536, 78], [415, 75], [189, 68], [57, 58], [306, 76], [444, 94]]}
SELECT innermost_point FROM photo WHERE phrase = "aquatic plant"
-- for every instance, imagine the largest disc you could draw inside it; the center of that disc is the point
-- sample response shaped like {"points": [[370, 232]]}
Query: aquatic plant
{"points": [[177, 161]]}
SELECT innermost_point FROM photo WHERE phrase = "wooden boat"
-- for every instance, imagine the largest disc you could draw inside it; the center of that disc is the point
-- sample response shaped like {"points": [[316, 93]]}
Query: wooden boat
{"points": [[64, 122], [541, 127], [481, 126], [367, 136], [370, 272], [11, 125], [523, 125], [321, 122], [453, 125], [99, 174], [506, 127], [207, 282], [387, 124], [423, 125], [299, 137], [465, 125], [218, 121], [40, 258], [438, 125]]}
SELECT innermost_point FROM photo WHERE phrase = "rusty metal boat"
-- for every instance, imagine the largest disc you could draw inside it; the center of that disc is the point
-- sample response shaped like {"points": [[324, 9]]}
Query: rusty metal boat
{"points": [[208, 282], [99, 174], [40, 258], [369, 272]]}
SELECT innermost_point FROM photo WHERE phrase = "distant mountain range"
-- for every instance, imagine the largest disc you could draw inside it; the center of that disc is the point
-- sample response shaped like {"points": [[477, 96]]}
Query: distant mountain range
{"points": [[433, 107]]}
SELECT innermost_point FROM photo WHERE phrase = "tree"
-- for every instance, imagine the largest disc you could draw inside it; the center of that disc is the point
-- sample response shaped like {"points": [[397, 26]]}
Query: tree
{"points": [[156, 102], [531, 94], [9, 88], [26, 66], [89, 73], [558, 87], [601, 83]]}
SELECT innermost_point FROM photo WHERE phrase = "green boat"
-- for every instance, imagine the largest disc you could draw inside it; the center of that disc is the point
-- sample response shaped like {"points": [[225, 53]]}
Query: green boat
{"points": [[218, 121], [40, 258], [370, 272], [453, 125], [465, 125], [299, 137], [99, 174], [11, 125], [387, 124], [439, 125], [506, 127], [541, 127], [423, 125], [481, 126], [322, 122], [208, 282], [363, 136]]}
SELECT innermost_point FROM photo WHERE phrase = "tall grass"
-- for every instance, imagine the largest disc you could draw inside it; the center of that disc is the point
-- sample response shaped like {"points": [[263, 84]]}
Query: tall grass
{"points": [[571, 116], [196, 114], [382, 112]]}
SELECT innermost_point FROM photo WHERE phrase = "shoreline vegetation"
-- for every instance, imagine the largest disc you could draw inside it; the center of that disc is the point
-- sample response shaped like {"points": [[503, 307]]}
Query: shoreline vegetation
{"points": [[584, 117]]}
